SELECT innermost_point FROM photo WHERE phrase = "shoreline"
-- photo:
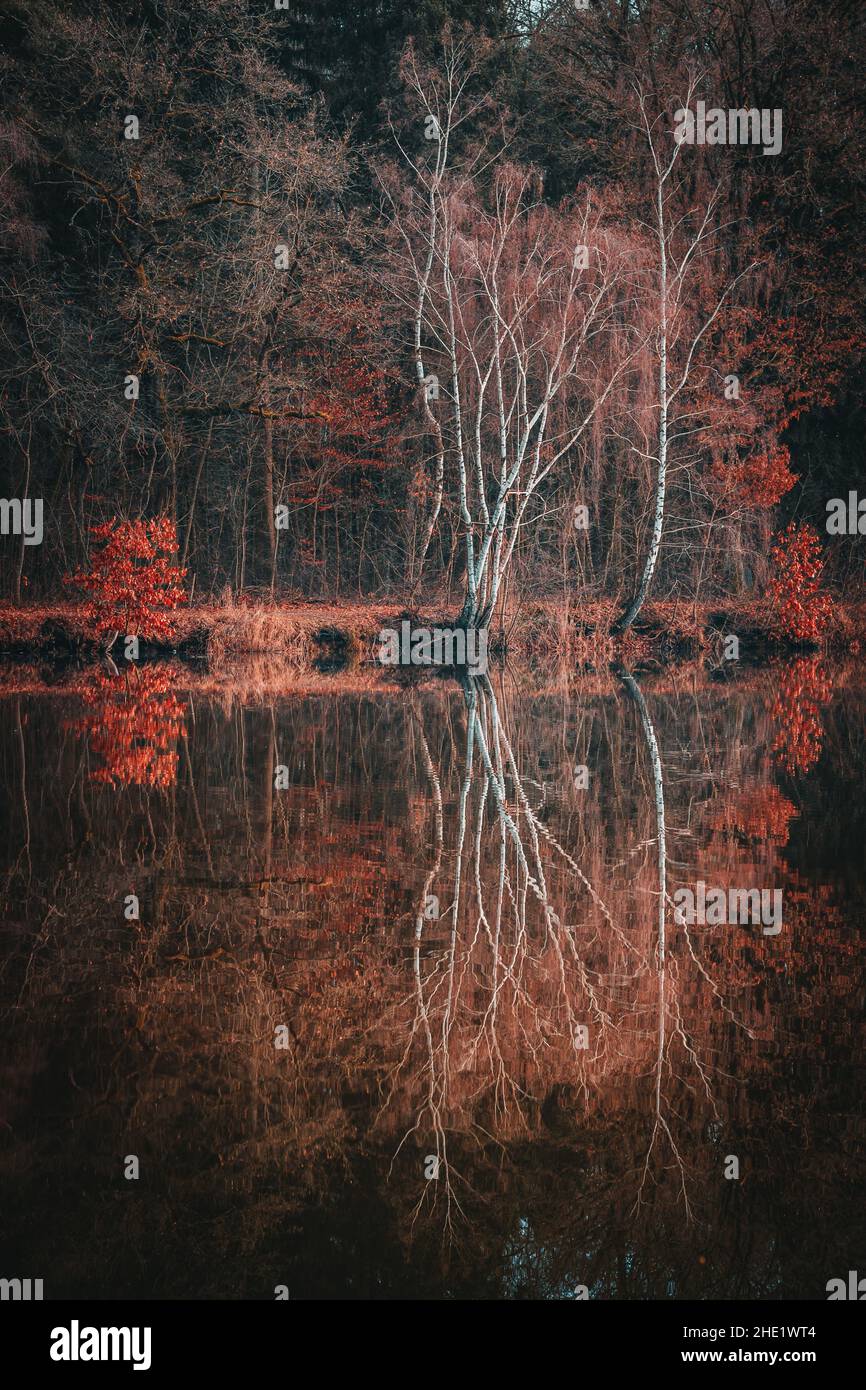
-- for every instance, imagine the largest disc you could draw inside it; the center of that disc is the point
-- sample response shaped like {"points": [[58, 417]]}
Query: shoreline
{"points": [[344, 635], [266, 649], [258, 681]]}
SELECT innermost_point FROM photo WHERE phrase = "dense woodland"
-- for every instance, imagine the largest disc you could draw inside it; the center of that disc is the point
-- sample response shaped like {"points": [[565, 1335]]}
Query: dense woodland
{"points": [[426, 301]]}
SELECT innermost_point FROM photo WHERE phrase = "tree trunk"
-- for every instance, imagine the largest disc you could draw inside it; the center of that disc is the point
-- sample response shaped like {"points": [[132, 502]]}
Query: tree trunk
{"points": [[264, 527], [637, 602]]}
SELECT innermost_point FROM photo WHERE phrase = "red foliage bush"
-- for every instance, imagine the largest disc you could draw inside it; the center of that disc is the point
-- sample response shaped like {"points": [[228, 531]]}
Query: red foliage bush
{"points": [[133, 583], [763, 478], [801, 609]]}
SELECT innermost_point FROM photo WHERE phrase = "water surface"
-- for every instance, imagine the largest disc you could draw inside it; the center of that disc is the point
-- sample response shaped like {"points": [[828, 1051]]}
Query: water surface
{"points": [[406, 1010]]}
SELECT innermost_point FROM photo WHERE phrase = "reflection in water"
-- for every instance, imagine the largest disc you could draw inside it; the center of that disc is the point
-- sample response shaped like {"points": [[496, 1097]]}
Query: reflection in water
{"points": [[804, 686], [504, 1067], [134, 723]]}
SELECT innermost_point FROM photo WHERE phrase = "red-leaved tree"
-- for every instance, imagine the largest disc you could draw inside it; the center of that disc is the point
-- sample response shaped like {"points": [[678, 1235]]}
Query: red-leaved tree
{"points": [[801, 609], [133, 583]]}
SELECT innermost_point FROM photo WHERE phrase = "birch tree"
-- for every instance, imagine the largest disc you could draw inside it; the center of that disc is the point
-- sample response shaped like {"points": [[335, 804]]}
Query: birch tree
{"points": [[518, 319], [686, 235]]}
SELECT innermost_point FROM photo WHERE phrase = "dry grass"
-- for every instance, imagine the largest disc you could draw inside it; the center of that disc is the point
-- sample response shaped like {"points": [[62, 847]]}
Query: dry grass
{"points": [[291, 642]]}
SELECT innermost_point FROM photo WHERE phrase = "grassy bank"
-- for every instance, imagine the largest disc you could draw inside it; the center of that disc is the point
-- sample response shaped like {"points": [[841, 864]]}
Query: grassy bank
{"points": [[328, 637]]}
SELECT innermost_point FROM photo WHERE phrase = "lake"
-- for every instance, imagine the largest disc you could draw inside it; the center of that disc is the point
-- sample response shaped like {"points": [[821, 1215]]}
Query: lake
{"points": [[385, 993]]}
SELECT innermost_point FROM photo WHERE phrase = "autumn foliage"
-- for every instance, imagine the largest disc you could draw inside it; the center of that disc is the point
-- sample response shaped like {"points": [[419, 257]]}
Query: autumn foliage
{"points": [[760, 813], [761, 479], [261, 278], [133, 582], [801, 609], [802, 689], [134, 722]]}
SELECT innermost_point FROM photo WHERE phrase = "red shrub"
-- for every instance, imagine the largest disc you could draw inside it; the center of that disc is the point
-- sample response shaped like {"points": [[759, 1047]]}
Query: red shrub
{"points": [[801, 609], [132, 581]]}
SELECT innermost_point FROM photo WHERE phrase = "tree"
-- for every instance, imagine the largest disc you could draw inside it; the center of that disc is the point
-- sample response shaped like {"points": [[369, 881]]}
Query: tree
{"points": [[793, 331], [167, 332], [683, 320], [801, 609], [349, 49], [518, 326], [133, 583]]}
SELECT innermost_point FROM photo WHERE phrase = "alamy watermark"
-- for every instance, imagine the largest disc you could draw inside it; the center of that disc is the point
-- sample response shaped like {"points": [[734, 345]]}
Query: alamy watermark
{"points": [[716, 907], [846, 516], [739, 126], [22, 517], [76, 1343], [853, 1291], [438, 646], [20, 1290]]}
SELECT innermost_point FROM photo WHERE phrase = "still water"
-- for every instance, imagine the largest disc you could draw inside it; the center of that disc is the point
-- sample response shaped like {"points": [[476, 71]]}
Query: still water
{"points": [[386, 992]]}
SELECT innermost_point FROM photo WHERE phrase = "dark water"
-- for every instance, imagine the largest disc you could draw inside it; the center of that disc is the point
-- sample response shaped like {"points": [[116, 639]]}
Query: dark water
{"points": [[400, 1015]]}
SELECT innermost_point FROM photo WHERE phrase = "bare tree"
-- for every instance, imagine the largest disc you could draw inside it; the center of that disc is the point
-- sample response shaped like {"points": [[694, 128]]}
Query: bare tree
{"points": [[684, 236], [518, 316]]}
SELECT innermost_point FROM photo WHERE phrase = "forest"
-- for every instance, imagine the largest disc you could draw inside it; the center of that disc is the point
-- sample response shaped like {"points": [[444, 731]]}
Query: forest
{"points": [[432, 604], [456, 309]]}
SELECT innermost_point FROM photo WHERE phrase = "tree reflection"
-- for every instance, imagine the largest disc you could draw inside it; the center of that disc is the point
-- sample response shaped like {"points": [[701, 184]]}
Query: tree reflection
{"points": [[134, 722], [804, 687], [539, 982], [473, 959]]}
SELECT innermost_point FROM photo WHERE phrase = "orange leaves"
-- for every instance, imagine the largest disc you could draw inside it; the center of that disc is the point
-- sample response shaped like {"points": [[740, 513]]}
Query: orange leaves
{"points": [[133, 582], [801, 609], [802, 689], [804, 359], [135, 724], [759, 813], [762, 479], [347, 412]]}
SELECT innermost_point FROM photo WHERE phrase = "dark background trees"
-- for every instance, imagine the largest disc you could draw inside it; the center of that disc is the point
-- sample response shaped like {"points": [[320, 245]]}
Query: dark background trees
{"points": [[275, 416]]}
